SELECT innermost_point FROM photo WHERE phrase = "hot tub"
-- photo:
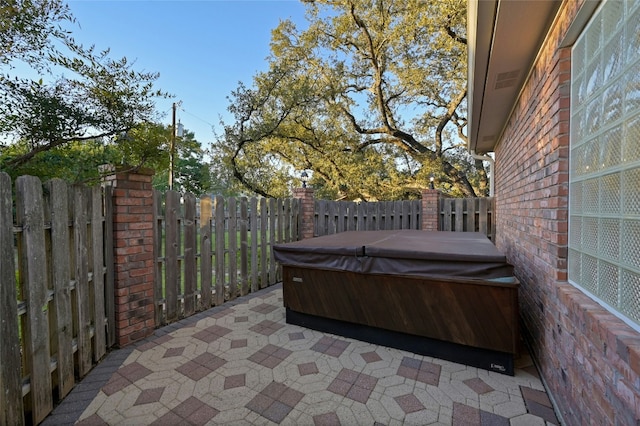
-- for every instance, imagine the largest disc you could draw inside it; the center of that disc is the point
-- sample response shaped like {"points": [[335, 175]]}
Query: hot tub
{"points": [[450, 295]]}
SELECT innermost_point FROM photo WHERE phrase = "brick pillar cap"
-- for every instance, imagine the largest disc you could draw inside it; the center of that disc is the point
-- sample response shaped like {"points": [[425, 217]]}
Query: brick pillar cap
{"points": [[111, 169], [303, 191]]}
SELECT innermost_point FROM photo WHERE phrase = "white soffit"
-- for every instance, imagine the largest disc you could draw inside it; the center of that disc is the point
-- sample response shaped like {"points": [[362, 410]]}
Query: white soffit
{"points": [[504, 37]]}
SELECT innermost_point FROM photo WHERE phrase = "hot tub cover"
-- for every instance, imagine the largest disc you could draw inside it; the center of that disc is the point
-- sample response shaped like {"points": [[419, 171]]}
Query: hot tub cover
{"points": [[469, 255]]}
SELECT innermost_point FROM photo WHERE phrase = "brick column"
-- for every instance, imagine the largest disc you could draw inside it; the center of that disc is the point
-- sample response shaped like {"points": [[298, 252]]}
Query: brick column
{"points": [[133, 253], [430, 210], [307, 210]]}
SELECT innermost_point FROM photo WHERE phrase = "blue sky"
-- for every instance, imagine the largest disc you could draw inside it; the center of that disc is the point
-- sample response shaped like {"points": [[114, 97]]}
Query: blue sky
{"points": [[201, 49]]}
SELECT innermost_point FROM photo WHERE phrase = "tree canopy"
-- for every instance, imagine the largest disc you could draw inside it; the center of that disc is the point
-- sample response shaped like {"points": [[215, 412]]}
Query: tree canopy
{"points": [[85, 94], [370, 98]]}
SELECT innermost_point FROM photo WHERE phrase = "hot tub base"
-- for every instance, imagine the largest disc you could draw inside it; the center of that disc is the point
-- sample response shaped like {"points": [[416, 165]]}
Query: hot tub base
{"points": [[500, 362]]}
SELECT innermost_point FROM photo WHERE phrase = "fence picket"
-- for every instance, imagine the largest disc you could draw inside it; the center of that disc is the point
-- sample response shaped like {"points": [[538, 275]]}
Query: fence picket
{"points": [[80, 219], [263, 242], [98, 269], [219, 229], [244, 258], [159, 257], [109, 276], [172, 207], [58, 205], [459, 214], [253, 206], [29, 214], [321, 220], [232, 247], [11, 406], [189, 224], [295, 220], [273, 216], [471, 214], [206, 275], [331, 218], [483, 213]]}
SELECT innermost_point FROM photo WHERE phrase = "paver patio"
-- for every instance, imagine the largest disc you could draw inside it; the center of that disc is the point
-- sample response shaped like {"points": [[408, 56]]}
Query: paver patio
{"points": [[241, 363]]}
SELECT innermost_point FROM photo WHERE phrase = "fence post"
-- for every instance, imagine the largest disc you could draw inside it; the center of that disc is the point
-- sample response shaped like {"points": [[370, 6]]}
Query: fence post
{"points": [[307, 203], [133, 240], [430, 210]]}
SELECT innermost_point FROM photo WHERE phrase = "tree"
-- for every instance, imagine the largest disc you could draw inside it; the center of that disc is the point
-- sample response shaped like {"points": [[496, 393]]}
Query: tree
{"points": [[192, 172], [370, 98], [80, 161], [94, 97]]}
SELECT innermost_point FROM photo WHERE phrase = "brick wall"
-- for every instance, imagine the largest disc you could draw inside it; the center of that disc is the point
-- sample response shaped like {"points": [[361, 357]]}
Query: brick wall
{"points": [[589, 358], [307, 207], [133, 254], [430, 210]]}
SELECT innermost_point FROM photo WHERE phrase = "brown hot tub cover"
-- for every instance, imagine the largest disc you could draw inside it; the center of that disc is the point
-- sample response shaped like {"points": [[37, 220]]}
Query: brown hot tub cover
{"points": [[469, 255]]}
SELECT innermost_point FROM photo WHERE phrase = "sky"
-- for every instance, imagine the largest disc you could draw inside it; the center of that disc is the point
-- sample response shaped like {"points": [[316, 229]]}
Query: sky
{"points": [[201, 49]]}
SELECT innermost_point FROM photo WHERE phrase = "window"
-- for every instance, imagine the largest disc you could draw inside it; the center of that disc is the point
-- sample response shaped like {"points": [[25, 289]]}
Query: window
{"points": [[604, 176]]}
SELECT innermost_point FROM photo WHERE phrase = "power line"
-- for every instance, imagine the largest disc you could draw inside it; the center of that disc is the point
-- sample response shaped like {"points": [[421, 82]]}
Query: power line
{"points": [[195, 116]]}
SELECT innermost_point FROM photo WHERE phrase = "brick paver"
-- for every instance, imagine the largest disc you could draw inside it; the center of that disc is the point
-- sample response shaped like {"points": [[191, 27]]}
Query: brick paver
{"points": [[244, 364]]}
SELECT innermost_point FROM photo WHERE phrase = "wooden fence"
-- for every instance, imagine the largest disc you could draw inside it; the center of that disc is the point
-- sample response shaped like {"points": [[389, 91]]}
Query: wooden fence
{"points": [[211, 250], [332, 217], [54, 292], [455, 214], [468, 215]]}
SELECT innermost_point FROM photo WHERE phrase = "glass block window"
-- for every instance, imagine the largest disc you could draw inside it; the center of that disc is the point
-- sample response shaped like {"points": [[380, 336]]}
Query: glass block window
{"points": [[604, 174]]}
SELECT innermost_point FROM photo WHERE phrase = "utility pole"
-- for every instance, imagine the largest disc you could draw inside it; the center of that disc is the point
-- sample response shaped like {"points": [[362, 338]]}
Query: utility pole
{"points": [[172, 148]]}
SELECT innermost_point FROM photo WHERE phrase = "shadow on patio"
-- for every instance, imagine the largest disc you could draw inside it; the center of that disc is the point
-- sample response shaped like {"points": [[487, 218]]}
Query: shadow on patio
{"points": [[240, 363]]}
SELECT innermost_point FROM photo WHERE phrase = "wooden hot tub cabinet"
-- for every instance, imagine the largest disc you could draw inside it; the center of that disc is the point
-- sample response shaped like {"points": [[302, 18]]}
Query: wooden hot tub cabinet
{"points": [[458, 318]]}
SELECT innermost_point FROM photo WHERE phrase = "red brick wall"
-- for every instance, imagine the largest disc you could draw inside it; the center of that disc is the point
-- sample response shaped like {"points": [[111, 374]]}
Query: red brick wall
{"points": [[133, 255], [430, 206], [307, 210], [589, 358]]}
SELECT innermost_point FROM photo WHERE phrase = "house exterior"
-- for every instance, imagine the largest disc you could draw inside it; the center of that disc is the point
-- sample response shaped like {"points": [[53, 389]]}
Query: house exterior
{"points": [[554, 93]]}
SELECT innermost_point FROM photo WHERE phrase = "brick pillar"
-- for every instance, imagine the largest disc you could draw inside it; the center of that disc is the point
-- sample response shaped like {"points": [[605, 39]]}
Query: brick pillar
{"points": [[133, 241], [307, 211], [430, 210]]}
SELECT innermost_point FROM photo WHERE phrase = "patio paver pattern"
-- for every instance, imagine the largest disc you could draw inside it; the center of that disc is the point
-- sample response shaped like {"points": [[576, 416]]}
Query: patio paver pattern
{"points": [[241, 363]]}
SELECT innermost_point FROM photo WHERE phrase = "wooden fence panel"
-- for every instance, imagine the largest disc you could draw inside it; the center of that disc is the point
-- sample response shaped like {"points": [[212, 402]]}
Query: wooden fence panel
{"points": [[189, 225], [64, 237], [468, 214], [80, 219], [206, 274], [11, 406], [341, 216], [30, 216], [58, 205], [219, 230], [98, 274], [171, 264]]}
